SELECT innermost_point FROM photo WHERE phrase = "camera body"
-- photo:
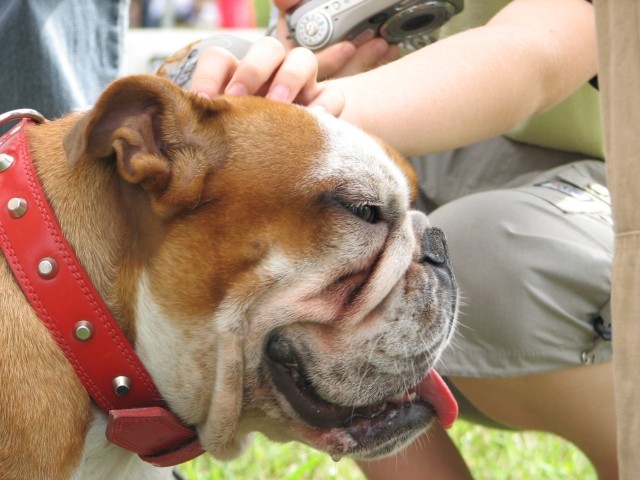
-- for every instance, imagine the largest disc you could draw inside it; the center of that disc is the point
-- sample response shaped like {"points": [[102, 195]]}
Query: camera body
{"points": [[315, 24]]}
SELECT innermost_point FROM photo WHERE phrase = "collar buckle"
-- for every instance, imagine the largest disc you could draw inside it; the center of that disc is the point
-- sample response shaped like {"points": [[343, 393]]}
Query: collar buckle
{"points": [[21, 113], [157, 435]]}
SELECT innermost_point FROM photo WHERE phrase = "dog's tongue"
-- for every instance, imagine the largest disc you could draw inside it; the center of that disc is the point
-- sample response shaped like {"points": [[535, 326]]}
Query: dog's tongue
{"points": [[434, 390]]}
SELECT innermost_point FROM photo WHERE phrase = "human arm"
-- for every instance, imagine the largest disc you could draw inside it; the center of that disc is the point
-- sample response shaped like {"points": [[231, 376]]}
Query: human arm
{"points": [[478, 83], [467, 87]]}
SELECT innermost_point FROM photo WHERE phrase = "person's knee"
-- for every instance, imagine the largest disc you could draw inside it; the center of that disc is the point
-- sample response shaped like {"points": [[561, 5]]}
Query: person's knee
{"points": [[479, 225], [491, 249], [519, 259]]}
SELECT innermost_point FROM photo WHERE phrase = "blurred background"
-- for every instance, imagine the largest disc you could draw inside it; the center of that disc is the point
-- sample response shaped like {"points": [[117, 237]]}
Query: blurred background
{"points": [[159, 28], [199, 13]]}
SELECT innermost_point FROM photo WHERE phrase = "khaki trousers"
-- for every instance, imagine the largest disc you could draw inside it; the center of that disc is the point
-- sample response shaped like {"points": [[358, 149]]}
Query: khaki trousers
{"points": [[618, 23]]}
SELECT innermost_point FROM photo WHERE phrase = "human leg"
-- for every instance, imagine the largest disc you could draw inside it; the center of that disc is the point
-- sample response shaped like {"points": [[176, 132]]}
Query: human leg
{"points": [[432, 456], [576, 404], [533, 266]]}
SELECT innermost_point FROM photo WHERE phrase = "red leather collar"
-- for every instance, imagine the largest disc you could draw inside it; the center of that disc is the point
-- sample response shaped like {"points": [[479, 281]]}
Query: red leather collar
{"points": [[66, 301]]}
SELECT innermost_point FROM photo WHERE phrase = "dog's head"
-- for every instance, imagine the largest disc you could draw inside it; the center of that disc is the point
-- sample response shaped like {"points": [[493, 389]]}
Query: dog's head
{"points": [[280, 281]]}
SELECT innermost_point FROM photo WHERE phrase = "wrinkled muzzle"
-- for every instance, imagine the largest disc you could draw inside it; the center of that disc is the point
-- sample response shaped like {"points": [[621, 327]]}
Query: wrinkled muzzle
{"points": [[373, 386]]}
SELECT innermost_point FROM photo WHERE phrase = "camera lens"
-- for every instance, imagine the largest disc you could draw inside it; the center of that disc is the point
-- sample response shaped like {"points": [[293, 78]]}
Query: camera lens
{"points": [[418, 22]]}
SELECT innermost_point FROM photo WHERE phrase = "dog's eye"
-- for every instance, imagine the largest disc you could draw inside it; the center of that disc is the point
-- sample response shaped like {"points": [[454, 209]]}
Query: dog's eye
{"points": [[368, 213]]}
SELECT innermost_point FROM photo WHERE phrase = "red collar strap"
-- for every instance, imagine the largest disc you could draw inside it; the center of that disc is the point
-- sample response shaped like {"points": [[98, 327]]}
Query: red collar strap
{"points": [[66, 301]]}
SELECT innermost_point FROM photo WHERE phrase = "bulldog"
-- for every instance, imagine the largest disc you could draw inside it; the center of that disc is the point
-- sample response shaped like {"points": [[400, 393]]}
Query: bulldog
{"points": [[262, 262]]}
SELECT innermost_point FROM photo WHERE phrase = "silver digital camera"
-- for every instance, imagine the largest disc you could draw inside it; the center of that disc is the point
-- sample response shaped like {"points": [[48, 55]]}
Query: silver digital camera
{"points": [[316, 24]]}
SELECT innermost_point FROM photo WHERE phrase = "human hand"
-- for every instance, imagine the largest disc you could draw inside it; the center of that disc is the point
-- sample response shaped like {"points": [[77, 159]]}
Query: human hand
{"points": [[343, 58], [266, 69]]}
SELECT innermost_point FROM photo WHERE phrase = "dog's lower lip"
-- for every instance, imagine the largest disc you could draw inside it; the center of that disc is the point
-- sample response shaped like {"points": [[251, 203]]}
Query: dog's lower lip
{"points": [[314, 410], [361, 431], [370, 434]]}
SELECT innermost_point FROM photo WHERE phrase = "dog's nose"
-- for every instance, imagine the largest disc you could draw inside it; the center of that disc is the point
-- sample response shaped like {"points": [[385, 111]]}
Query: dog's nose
{"points": [[434, 247]]}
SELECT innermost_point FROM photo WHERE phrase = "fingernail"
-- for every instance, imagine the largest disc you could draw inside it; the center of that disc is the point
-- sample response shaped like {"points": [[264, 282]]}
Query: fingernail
{"points": [[203, 95], [393, 53], [236, 89], [317, 109], [379, 47], [280, 93], [348, 49]]}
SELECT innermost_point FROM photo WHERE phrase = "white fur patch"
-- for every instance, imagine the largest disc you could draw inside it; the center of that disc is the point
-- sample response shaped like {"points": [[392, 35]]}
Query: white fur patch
{"points": [[368, 159], [102, 460], [161, 345], [357, 159]]}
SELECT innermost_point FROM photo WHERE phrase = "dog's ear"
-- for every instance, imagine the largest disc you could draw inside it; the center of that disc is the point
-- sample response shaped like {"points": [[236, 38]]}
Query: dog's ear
{"points": [[149, 127]]}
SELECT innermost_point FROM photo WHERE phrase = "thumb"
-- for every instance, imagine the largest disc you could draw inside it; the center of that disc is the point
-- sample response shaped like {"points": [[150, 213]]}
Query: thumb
{"points": [[330, 101]]}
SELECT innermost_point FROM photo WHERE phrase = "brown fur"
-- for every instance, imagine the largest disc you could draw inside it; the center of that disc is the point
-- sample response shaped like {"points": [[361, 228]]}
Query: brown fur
{"points": [[114, 210]]}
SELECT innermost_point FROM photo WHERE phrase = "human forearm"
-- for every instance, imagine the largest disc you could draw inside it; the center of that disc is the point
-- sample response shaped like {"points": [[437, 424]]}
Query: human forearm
{"points": [[478, 83]]}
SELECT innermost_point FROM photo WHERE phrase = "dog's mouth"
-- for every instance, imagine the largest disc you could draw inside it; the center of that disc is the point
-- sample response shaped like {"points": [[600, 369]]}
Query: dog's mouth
{"points": [[371, 430]]}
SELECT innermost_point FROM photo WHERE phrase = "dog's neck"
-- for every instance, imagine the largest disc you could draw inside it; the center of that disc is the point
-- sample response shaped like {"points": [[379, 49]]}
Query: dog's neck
{"points": [[111, 215], [138, 414]]}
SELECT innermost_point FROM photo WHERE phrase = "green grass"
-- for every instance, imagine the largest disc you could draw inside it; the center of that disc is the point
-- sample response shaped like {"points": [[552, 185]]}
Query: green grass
{"points": [[490, 454]]}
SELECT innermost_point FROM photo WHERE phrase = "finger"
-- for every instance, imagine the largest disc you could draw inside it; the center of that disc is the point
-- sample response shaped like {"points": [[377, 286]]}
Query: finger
{"points": [[213, 71], [334, 58], [256, 68], [283, 34], [296, 77], [329, 101], [368, 55], [393, 53]]}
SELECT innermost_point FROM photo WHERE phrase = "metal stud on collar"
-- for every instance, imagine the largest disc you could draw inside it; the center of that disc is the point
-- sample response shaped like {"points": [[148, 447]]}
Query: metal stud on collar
{"points": [[83, 330], [5, 161], [47, 268], [121, 385], [17, 207]]}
